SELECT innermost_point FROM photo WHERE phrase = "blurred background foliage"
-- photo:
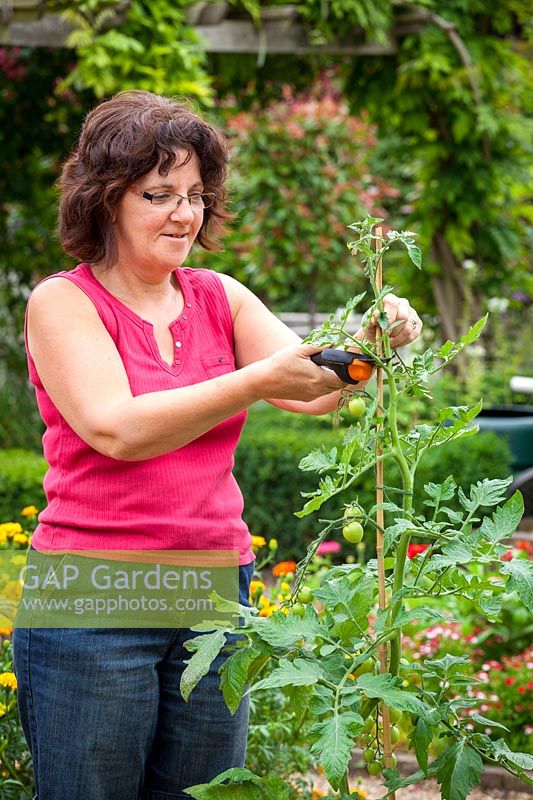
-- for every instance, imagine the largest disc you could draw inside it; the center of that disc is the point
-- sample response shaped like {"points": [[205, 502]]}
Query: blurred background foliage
{"points": [[434, 137]]}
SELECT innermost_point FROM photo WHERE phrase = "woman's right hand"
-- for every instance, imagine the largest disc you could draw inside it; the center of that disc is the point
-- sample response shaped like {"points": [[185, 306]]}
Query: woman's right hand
{"points": [[289, 374]]}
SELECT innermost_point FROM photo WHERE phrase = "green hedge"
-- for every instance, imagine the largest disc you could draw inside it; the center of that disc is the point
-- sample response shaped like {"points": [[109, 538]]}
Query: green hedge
{"points": [[266, 467], [273, 442], [21, 482]]}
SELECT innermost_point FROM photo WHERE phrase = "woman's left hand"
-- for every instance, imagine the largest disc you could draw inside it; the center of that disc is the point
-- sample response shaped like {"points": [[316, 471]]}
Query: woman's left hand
{"points": [[398, 310]]}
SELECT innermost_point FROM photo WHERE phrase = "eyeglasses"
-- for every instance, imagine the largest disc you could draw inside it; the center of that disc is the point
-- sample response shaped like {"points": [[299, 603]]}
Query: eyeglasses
{"points": [[168, 201]]}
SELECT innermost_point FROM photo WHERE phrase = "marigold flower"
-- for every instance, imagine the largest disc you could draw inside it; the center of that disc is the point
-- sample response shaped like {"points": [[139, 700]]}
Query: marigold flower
{"points": [[9, 529], [6, 631], [3, 709], [29, 511], [20, 538], [9, 680], [415, 548], [267, 610], [283, 568], [256, 587], [257, 542]]}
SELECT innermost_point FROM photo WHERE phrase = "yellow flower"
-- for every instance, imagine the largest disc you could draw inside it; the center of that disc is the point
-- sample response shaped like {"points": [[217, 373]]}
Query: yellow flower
{"points": [[267, 611], [285, 586], [258, 541], [6, 631], [11, 528], [3, 535], [256, 587], [29, 511], [3, 709], [12, 590], [20, 538], [9, 680]]}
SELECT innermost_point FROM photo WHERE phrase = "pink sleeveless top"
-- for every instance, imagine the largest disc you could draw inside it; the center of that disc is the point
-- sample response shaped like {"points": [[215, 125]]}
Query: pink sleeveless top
{"points": [[187, 499]]}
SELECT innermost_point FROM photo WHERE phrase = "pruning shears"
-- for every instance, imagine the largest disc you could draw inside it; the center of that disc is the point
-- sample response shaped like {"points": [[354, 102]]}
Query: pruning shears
{"points": [[350, 367]]}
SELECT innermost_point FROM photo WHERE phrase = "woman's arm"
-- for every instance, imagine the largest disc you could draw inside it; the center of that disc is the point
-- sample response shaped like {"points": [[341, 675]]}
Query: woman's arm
{"points": [[82, 372]]}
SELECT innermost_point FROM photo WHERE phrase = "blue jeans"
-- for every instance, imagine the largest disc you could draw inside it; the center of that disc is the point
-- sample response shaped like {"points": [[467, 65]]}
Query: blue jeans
{"points": [[104, 718]]}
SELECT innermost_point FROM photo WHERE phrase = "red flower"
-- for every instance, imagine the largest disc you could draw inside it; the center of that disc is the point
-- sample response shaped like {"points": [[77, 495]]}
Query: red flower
{"points": [[508, 555], [416, 548], [509, 681]]}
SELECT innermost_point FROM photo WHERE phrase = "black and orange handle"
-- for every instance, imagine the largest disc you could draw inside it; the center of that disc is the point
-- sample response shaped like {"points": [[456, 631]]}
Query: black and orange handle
{"points": [[350, 367]]}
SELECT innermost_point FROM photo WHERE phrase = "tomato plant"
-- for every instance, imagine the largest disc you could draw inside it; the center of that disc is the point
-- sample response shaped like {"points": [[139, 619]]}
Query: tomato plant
{"points": [[322, 656]]}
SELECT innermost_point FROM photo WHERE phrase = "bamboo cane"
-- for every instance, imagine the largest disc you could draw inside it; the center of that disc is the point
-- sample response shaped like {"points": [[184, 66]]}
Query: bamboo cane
{"points": [[387, 746]]}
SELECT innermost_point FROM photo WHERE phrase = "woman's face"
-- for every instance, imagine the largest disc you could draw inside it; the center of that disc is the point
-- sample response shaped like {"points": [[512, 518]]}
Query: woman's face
{"points": [[156, 240]]}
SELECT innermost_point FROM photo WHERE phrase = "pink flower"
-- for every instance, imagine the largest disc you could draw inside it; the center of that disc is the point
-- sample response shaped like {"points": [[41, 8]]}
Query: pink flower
{"points": [[327, 547]]}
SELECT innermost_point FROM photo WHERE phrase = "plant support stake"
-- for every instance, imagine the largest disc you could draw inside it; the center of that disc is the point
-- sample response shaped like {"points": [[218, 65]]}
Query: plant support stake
{"points": [[387, 746]]}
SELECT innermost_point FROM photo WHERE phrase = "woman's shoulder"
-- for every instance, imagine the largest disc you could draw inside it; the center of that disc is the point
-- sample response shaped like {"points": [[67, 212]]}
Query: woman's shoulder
{"points": [[66, 293]]}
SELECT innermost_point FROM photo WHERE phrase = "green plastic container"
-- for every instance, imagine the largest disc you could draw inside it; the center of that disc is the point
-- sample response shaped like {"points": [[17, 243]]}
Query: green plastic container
{"points": [[515, 423]]}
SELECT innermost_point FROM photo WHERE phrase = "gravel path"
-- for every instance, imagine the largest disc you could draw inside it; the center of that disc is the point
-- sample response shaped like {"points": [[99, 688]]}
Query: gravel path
{"points": [[429, 790]]}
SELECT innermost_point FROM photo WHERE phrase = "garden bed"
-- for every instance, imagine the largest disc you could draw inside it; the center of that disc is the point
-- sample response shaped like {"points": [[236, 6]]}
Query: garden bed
{"points": [[429, 790]]}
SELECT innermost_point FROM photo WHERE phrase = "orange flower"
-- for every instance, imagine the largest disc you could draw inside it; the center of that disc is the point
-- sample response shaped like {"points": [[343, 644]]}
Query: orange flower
{"points": [[283, 568]]}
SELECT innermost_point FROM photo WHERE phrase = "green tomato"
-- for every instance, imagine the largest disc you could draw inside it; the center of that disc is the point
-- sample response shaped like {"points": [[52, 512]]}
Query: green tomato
{"points": [[369, 754], [305, 595], [374, 768], [298, 609], [353, 532], [393, 760], [394, 734], [366, 666], [356, 407], [369, 725], [394, 715], [353, 513]]}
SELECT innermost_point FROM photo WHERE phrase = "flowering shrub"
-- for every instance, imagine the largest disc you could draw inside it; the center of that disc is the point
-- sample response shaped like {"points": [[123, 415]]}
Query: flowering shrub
{"points": [[300, 168]]}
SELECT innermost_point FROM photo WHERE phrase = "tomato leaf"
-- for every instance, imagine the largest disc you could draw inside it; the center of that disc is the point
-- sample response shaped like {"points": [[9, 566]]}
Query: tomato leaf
{"points": [[521, 580], [319, 460], [458, 769], [283, 631], [440, 491], [208, 647], [299, 672], [505, 519], [501, 751], [233, 676], [334, 743], [421, 740], [389, 689], [243, 785]]}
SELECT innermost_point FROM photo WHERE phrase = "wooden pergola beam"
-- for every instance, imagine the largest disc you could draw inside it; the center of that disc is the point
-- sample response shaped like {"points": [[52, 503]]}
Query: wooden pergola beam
{"points": [[228, 36]]}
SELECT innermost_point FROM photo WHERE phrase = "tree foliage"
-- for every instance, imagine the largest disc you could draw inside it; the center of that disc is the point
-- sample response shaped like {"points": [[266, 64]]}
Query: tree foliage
{"points": [[451, 108]]}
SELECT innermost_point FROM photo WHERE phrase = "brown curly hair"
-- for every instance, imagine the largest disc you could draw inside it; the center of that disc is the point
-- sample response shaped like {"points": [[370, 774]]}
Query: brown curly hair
{"points": [[122, 139]]}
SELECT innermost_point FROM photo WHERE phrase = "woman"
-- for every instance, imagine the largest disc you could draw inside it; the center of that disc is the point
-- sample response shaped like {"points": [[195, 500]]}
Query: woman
{"points": [[143, 370]]}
